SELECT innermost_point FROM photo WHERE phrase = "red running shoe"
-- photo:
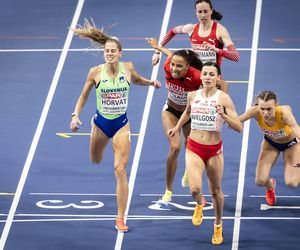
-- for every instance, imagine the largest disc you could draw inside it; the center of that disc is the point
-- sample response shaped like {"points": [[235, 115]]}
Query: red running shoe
{"points": [[270, 194], [120, 225]]}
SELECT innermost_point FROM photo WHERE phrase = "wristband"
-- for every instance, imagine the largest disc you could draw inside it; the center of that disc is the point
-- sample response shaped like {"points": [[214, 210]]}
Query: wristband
{"points": [[74, 114]]}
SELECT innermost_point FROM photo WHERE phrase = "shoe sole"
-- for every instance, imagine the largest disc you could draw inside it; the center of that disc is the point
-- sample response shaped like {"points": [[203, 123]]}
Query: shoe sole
{"points": [[217, 243], [198, 224], [161, 202], [121, 231], [184, 185]]}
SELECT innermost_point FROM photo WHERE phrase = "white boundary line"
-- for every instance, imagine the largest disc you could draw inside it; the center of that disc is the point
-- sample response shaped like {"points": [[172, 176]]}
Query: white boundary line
{"points": [[69, 217], [142, 132], [134, 49], [241, 181], [98, 194], [277, 196], [40, 126], [72, 194]]}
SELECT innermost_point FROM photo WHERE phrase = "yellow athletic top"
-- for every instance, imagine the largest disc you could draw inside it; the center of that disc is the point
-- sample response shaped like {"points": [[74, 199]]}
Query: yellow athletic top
{"points": [[279, 130]]}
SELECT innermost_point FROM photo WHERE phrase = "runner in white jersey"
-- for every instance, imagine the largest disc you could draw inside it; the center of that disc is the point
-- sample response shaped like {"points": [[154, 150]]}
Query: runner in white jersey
{"points": [[204, 113], [208, 109], [112, 81]]}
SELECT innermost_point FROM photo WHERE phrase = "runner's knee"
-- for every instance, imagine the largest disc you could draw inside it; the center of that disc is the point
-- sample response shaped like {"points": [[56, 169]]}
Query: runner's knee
{"points": [[217, 193], [120, 170], [292, 183], [174, 148], [195, 192], [96, 160]]}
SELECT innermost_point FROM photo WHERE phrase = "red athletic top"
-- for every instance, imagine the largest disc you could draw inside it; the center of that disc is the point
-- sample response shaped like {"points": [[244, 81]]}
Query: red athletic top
{"points": [[197, 41], [179, 88]]}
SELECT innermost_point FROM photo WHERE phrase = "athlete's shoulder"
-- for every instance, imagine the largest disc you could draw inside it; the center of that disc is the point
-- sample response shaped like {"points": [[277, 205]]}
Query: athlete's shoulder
{"points": [[285, 108], [194, 72], [223, 94], [189, 27], [96, 69], [192, 94], [285, 111], [222, 31], [128, 65], [219, 25], [253, 112]]}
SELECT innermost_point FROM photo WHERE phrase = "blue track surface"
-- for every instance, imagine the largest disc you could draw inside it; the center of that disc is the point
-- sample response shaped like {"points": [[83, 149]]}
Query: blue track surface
{"points": [[65, 202]]}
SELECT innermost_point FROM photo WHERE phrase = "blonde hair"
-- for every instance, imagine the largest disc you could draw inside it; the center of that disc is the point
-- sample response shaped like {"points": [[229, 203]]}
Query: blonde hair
{"points": [[98, 36]]}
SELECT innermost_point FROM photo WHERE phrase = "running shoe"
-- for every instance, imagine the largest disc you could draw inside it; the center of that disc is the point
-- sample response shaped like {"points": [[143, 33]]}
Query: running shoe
{"points": [[185, 180], [167, 197], [270, 194], [120, 225], [198, 215], [217, 238]]}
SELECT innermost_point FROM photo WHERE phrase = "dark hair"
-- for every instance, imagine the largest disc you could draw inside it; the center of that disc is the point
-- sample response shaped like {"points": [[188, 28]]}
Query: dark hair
{"points": [[214, 65], [190, 56], [215, 14], [266, 96]]}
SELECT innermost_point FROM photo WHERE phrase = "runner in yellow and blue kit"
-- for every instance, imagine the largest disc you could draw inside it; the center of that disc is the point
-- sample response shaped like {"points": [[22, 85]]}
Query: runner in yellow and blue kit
{"points": [[112, 81], [281, 134]]}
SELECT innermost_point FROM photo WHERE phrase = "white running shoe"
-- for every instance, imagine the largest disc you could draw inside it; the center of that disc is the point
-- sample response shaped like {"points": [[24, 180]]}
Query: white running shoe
{"points": [[167, 197], [185, 180]]}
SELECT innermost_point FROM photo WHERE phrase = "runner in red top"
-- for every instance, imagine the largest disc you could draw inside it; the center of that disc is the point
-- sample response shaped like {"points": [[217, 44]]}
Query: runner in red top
{"points": [[182, 72], [179, 87], [207, 37], [198, 44]]}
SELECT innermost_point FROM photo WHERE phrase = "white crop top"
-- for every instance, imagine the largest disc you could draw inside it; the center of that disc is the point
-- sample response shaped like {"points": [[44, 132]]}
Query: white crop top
{"points": [[204, 114]]}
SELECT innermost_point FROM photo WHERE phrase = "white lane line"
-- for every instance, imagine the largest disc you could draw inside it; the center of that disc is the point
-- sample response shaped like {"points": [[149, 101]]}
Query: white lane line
{"points": [[178, 195], [267, 207], [40, 127], [142, 132], [138, 49], [131, 218], [278, 196], [72, 194], [243, 159]]}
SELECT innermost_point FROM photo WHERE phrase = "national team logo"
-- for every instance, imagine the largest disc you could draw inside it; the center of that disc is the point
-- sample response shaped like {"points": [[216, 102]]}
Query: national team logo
{"points": [[213, 111], [122, 79]]}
